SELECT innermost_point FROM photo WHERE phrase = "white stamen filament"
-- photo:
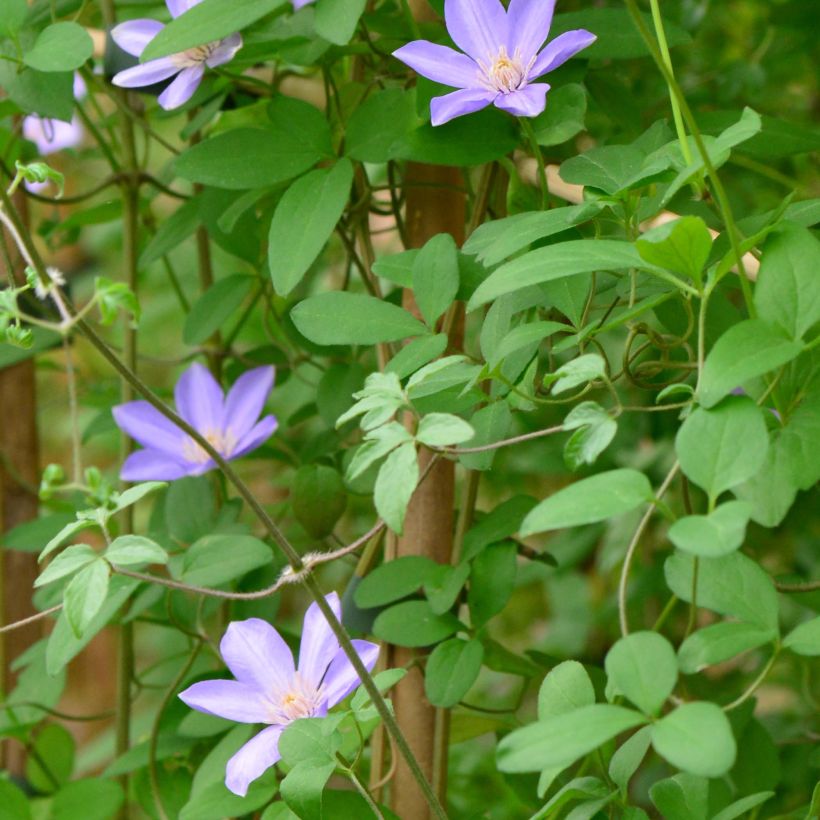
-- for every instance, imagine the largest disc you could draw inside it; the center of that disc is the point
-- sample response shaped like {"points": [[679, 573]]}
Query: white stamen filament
{"points": [[194, 56], [223, 441], [298, 700], [505, 73]]}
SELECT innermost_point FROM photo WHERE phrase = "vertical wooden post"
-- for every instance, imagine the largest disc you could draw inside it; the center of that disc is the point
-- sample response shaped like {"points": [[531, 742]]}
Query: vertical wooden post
{"points": [[435, 204], [18, 504]]}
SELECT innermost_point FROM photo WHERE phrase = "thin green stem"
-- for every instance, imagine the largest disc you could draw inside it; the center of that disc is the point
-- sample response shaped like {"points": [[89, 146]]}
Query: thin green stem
{"points": [[755, 684], [529, 132], [362, 790]]}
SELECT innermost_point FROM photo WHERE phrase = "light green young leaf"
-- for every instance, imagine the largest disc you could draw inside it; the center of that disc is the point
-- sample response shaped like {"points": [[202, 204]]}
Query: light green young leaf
{"points": [[435, 277], [85, 594], [443, 430], [132, 495], [395, 484], [67, 562], [626, 759], [719, 642], [128, 550], [713, 535], [805, 638], [566, 687], [336, 20], [643, 667], [61, 46], [579, 371], [64, 534], [682, 247]]}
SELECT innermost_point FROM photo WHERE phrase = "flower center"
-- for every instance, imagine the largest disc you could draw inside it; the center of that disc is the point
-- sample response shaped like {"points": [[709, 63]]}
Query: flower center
{"points": [[223, 441], [505, 73], [194, 56], [299, 700]]}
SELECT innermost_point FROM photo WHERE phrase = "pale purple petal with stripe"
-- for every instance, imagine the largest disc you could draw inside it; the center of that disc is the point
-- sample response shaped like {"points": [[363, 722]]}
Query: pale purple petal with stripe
{"points": [[253, 760], [246, 400], [257, 655], [528, 102], [298, 4], [145, 424], [153, 465], [341, 678], [154, 71], [225, 51], [257, 436], [466, 101], [182, 88], [199, 399], [478, 27], [227, 699], [319, 644], [51, 135], [177, 7], [439, 63], [560, 50], [134, 35], [529, 22]]}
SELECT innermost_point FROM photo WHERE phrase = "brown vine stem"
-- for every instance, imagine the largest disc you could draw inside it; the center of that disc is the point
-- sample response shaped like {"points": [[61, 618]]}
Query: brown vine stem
{"points": [[633, 545], [809, 586], [31, 619], [507, 442]]}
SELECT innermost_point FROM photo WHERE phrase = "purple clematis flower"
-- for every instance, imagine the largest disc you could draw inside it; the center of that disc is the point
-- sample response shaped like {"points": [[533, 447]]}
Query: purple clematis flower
{"points": [[270, 689], [298, 4], [502, 57], [189, 66], [230, 423]]}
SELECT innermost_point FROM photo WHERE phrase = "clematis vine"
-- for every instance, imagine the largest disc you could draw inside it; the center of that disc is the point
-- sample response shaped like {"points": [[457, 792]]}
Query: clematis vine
{"points": [[502, 57], [270, 689], [188, 66], [230, 423]]}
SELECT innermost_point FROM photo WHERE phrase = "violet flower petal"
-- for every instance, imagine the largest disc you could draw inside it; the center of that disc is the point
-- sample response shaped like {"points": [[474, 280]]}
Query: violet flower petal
{"points": [[257, 655], [560, 50], [256, 437], [199, 399], [319, 644], [528, 102], [246, 400], [529, 24], [182, 88], [466, 101], [51, 135], [228, 699], [153, 465], [253, 760], [478, 27], [134, 35], [146, 425], [177, 7], [341, 678], [225, 51], [298, 4], [439, 63], [154, 71]]}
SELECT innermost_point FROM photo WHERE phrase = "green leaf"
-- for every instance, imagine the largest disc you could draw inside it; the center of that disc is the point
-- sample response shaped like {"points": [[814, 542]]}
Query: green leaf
{"points": [[189, 509], [443, 430], [590, 500], [696, 738], [435, 277], [60, 47], [682, 246], [395, 484], [128, 550], [575, 258], [563, 117], [682, 797], [732, 585], [747, 350], [303, 786], [67, 562], [625, 761], [312, 740], [787, 294], [414, 624], [336, 20], [172, 231], [303, 222], [805, 638], [643, 667], [609, 168], [561, 740], [318, 499], [491, 424], [451, 670], [14, 15], [132, 495], [443, 589], [743, 805], [251, 158], [566, 688], [710, 536], [64, 534], [213, 309], [91, 798], [579, 371], [14, 801], [394, 580], [384, 681], [342, 318], [51, 759], [47, 94], [379, 123], [577, 789], [707, 444], [85, 594], [216, 559], [594, 431], [416, 354], [719, 642], [203, 23], [492, 581], [522, 337]]}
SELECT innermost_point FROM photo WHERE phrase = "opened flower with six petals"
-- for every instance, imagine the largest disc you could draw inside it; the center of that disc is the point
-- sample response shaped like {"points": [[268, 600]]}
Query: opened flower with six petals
{"points": [[502, 57]]}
